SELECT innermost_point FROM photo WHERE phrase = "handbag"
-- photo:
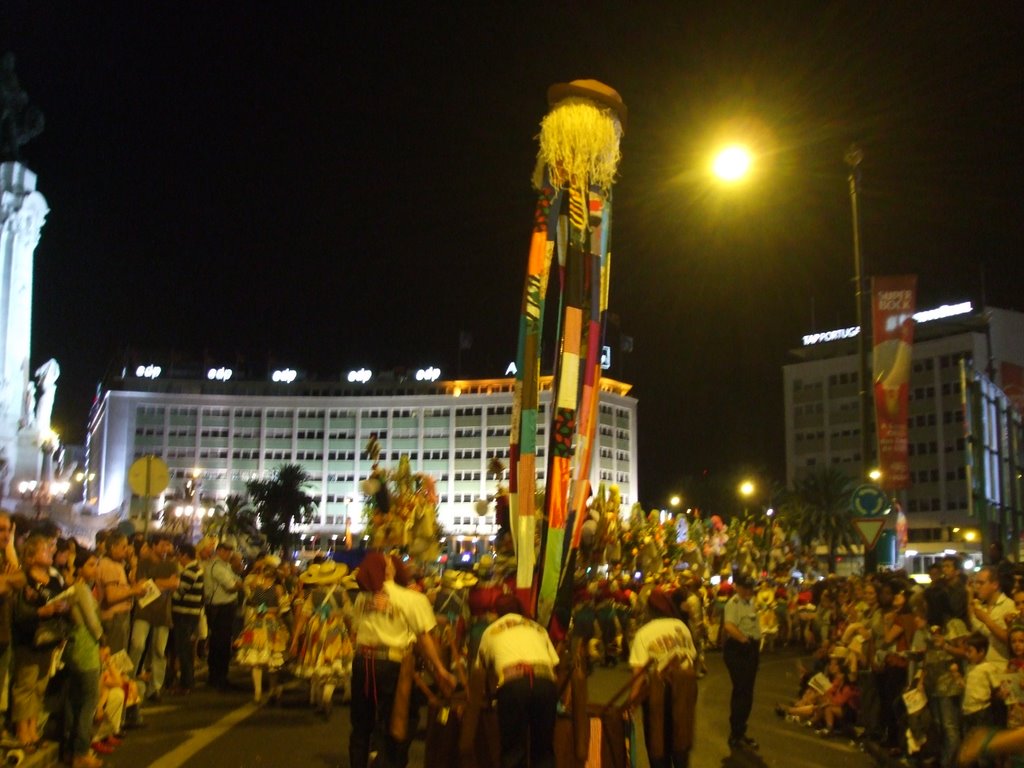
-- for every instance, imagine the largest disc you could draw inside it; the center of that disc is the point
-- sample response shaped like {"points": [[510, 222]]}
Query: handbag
{"points": [[50, 633]]}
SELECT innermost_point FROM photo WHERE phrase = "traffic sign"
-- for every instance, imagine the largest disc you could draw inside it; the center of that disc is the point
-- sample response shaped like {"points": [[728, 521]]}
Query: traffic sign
{"points": [[148, 476], [869, 528], [869, 501]]}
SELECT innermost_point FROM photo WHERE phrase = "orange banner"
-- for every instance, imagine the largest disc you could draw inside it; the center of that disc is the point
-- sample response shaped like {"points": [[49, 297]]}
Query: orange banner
{"points": [[892, 321]]}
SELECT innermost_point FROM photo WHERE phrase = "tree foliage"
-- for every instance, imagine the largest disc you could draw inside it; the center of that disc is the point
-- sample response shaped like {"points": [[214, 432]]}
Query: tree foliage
{"points": [[281, 502], [234, 518], [819, 512]]}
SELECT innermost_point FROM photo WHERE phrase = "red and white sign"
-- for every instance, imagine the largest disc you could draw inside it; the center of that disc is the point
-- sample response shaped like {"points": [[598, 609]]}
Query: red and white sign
{"points": [[892, 304]]}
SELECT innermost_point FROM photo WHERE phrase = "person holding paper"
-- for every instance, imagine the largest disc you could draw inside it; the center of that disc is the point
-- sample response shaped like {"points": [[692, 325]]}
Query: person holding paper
{"points": [[40, 625], [116, 595], [158, 572]]}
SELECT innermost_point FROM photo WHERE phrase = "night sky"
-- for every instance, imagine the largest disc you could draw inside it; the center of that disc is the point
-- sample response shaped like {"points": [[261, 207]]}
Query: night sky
{"points": [[330, 185]]}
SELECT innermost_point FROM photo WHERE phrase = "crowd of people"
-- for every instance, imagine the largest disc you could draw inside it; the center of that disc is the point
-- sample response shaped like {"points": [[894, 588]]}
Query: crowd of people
{"points": [[88, 636]]}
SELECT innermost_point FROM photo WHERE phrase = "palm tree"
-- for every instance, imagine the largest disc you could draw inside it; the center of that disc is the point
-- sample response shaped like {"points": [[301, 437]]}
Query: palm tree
{"points": [[282, 501], [234, 517], [819, 511]]}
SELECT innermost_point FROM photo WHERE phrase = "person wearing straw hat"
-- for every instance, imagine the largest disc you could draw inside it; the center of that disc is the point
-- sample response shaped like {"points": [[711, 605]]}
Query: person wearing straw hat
{"points": [[264, 638], [387, 620], [321, 642], [669, 705]]}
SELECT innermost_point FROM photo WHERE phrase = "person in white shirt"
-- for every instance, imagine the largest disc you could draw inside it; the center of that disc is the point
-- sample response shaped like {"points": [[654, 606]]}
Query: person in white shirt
{"points": [[988, 611], [523, 659], [665, 644], [387, 620]]}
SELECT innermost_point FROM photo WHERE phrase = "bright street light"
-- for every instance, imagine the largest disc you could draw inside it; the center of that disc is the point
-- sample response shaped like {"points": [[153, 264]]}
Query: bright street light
{"points": [[875, 474], [732, 163], [675, 501], [747, 488]]}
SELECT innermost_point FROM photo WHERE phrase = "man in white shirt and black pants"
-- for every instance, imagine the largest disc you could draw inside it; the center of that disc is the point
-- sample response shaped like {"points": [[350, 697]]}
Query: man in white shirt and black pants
{"points": [[523, 659]]}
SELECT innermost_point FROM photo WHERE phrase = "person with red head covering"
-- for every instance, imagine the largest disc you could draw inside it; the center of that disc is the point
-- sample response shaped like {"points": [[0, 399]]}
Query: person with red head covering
{"points": [[387, 620], [665, 645], [520, 654]]}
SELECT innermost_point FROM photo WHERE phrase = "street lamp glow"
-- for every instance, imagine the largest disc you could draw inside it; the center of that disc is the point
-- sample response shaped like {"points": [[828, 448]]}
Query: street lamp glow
{"points": [[875, 474], [747, 488], [675, 501], [732, 163]]}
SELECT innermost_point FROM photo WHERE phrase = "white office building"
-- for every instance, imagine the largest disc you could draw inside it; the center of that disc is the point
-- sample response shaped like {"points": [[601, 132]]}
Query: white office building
{"points": [[220, 432], [823, 422]]}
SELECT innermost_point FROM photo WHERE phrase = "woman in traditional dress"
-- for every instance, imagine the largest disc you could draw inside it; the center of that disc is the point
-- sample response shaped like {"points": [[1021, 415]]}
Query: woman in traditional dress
{"points": [[320, 641], [264, 639]]}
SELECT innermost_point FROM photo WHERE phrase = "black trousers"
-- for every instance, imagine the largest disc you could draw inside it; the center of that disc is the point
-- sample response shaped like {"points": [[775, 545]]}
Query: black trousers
{"points": [[220, 619], [526, 717], [374, 684], [741, 660], [186, 627]]}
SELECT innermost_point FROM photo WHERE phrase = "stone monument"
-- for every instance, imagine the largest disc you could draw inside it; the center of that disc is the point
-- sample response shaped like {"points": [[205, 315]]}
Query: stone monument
{"points": [[22, 215]]}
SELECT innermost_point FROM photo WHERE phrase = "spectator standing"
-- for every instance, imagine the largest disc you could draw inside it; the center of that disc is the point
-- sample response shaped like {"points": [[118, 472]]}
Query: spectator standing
{"points": [[956, 589], [989, 610], [12, 579], [741, 654], [83, 663], [115, 593], [186, 608], [223, 599], [153, 620], [35, 644]]}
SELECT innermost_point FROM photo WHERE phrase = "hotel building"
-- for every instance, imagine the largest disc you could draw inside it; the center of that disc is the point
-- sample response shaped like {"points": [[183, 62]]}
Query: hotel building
{"points": [[823, 423], [219, 432]]}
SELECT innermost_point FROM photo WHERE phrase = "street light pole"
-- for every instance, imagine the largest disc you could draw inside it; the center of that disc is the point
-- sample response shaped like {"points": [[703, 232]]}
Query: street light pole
{"points": [[854, 156]]}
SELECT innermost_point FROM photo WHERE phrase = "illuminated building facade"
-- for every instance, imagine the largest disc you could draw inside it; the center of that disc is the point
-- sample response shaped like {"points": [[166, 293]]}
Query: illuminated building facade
{"points": [[223, 430], [822, 416]]}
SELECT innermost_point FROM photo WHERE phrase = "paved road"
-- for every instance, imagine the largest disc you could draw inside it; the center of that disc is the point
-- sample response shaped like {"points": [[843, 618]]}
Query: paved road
{"points": [[223, 730]]}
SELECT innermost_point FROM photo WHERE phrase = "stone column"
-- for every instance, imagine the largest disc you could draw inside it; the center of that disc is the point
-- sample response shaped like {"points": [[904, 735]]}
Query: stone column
{"points": [[22, 214]]}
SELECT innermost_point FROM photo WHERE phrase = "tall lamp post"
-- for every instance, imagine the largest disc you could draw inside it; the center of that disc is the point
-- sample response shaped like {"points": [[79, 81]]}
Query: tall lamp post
{"points": [[854, 156]]}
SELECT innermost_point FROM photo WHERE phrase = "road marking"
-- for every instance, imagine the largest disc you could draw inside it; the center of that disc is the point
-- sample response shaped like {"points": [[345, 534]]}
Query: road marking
{"points": [[203, 738]]}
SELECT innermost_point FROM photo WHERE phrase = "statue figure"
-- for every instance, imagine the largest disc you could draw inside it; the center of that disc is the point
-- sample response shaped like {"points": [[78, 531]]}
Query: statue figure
{"points": [[47, 375], [28, 406], [19, 121]]}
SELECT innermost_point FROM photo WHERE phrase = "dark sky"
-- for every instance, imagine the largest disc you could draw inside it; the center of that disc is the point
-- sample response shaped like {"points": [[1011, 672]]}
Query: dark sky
{"points": [[344, 184]]}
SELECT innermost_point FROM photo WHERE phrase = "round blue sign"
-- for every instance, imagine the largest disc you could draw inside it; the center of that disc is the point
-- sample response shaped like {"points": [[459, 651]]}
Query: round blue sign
{"points": [[869, 501]]}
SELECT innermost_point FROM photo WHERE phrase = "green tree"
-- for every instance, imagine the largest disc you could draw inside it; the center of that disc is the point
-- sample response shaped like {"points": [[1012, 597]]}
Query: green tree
{"points": [[234, 517], [281, 502], [819, 511]]}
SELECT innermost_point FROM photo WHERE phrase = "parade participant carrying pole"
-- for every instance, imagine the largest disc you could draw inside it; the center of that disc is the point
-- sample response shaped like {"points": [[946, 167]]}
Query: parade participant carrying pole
{"points": [[576, 165]]}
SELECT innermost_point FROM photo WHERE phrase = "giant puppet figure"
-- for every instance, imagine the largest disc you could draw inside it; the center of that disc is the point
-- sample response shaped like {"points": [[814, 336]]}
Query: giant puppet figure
{"points": [[576, 165]]}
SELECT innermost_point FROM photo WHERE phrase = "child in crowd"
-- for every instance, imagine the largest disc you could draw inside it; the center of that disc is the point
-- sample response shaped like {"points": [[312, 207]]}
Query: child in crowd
{"points": [[1012, 687], [837, 704], [979, 682]]}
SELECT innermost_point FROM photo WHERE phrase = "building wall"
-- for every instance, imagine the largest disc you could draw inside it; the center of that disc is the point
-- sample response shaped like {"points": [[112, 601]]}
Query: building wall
{"points": [[230, 439], [822, 416]]}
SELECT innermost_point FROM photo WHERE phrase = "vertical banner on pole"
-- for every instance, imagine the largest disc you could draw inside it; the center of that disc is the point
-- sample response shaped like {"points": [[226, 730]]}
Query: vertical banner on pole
{"points": [[892, 304]]}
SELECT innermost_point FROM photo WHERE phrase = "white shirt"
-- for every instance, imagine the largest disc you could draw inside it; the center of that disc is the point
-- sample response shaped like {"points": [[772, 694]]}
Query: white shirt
{"points": [[662, 640], [978, 685], [514, 639], [393, 617], [997, 649]]}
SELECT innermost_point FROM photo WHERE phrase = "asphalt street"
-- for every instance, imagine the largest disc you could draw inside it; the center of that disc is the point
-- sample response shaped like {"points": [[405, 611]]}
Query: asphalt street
{"points": [[224, 730]]}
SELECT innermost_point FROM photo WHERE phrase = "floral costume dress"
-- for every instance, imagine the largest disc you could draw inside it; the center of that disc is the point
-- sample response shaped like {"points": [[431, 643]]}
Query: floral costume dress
{"points": [[325, 650], [264, 640]]}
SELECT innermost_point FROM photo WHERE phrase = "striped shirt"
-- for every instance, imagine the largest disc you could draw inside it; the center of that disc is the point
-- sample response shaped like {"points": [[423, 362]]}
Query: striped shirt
{"points": [[188, 597]]}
